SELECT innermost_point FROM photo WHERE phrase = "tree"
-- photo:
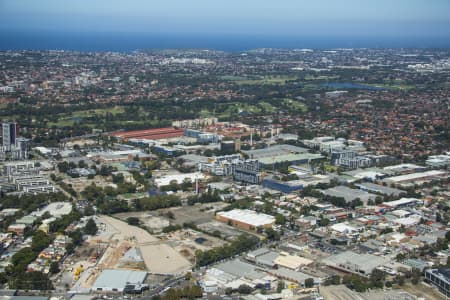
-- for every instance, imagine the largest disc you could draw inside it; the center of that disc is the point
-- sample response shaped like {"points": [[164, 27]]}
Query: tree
{"points": [[377, 278], [133, 221], [228, 291], [280, 286], [333, 280], [40, 241], [415, 276], [170, 215], [309, 282], [400, 280], [244, 289], [54, 267], [324, 222], [280, 219], [90, 227], [272, 235]]}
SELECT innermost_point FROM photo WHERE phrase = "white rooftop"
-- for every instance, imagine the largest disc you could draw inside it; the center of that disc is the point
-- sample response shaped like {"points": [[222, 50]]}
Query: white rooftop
{"points": [[248, 216], [179, 178], [414, 176]]}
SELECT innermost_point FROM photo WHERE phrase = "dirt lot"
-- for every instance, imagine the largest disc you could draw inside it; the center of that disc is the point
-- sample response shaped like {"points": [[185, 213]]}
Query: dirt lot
{"points": [[226, 232], [187, 241], [197, 214], [159, 257], [157, 220], [423, 290], [151, 220]]}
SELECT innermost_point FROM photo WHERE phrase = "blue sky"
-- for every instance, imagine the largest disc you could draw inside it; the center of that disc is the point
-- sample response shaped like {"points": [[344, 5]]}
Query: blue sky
{"points": [[260, 17]]}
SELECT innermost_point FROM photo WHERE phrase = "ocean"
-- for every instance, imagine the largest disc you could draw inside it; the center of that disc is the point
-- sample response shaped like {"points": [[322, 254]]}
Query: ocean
{"points": [[121, 42]]}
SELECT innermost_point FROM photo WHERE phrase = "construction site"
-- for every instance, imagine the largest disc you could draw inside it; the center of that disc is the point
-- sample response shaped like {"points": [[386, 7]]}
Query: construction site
{"points": [[121, 246]]}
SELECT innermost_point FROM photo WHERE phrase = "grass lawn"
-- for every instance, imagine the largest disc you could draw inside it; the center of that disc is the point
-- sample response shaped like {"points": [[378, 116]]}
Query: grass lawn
{"points": [[295, 105], [262, 80], [78, 116]]}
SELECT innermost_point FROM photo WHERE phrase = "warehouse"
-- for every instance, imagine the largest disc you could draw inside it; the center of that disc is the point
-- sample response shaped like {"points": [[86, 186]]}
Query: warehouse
{"points": [[417, 177], [403, 202], [246, 219], [275, 151], [178, 178], [150, 134], [116, 280], [361, 264], [376, 188], [301, 158], [349, 194]]}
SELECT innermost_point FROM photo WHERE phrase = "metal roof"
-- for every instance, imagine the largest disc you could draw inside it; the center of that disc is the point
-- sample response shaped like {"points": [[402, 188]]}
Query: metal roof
{"points": [[118, 279]]}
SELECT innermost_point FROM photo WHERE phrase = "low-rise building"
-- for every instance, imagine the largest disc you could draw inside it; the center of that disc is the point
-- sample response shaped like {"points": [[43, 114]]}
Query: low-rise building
{"points": [[246, 219]]}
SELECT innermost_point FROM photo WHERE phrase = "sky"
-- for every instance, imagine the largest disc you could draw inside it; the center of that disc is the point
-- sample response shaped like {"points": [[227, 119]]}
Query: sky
{"points": [[388, 18]]}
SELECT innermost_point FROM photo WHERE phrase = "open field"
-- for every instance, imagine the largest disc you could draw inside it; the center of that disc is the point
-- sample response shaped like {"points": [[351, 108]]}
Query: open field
{"points": [[148, 219], [68, 119], [423, 290], [294, 105], [225, 231], [156, 220], [262, 80]]}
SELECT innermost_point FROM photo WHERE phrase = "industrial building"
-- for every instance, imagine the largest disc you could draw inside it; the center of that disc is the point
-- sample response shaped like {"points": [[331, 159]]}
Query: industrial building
{"points": [[301, 158], [361, 264], [246, 219], [349, 194], [282, 186], [403, 202], [417, 177], [376, 188], [202, 137], [178, 178], [117, 156], [274, 151], [116, 280], [150, 134]]}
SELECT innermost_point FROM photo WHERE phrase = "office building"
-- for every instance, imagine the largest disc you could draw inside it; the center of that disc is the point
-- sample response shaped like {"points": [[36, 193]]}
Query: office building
{"points": [[9, 134], [440, 278]]}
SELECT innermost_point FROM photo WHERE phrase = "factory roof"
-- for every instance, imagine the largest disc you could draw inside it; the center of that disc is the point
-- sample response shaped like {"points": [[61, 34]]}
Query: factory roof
{"points": [[379, 189], [179, 178], [348, 194], [291, 261], [402, 201], [296, 276], [343, 228], [403, 167], [118, 279], [276, 150], [278, 158], [248, 216], [355, 262], [267, 258], [416, 176], [237, 268]]}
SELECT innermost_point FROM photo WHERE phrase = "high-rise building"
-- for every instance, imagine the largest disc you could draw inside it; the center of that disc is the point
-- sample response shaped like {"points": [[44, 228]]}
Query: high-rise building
{"points": [[9, 134]]}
